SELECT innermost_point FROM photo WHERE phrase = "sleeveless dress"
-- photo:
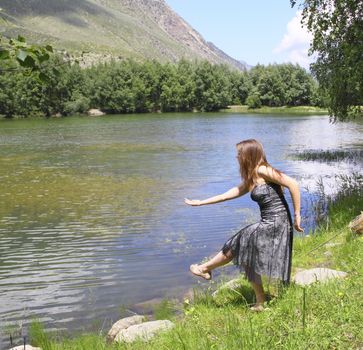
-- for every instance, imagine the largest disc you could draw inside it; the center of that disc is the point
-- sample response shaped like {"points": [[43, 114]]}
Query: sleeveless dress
{"points": [[265, 247]]}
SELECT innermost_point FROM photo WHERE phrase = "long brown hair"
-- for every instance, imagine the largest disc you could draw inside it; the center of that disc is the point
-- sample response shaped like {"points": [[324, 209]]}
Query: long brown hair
{"points": [[250, 156]]}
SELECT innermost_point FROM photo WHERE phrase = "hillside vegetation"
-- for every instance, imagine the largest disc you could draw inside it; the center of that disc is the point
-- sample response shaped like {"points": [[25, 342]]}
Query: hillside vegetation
{"points": [[102, 29]]}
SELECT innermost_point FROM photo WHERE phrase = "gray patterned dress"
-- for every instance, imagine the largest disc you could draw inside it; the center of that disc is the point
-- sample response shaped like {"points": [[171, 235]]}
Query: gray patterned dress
{"points": [[265, 247]]}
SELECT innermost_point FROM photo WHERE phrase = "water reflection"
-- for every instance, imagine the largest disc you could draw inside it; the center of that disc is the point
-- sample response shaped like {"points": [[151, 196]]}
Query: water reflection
{"points": [[91, 209]]}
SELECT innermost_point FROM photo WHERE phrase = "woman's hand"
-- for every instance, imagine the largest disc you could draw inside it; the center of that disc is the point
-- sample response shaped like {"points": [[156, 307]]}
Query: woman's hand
{"points": [[297, 223], [193, 202]]}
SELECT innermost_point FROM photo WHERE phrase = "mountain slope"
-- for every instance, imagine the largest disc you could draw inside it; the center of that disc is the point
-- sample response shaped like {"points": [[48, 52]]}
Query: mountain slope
{"points": [[119, 28]]}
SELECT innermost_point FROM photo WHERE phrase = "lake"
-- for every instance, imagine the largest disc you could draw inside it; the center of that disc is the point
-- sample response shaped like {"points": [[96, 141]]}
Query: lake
{"points": [[92, 213]]}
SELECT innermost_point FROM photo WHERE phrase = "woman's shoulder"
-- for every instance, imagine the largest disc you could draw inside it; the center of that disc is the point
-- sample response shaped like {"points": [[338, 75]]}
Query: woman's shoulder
{"points": [[269, 173], [264, 170]]}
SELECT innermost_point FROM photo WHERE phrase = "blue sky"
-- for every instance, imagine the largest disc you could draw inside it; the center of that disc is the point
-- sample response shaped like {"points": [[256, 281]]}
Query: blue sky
{"points": [[257, 31]]}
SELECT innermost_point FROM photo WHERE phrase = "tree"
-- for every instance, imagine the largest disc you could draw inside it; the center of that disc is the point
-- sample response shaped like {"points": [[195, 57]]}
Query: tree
{"points": [[212, 88], [337, 28], [279, 85], [15, 52], [29, 57], [253, 100]]}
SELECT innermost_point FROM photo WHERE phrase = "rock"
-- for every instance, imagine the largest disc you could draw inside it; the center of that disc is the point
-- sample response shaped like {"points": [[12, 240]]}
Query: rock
{"points": [[356, 225], [124, 323], [143, 331], [151, 306], [298, 269], [189, 294], [307, 277], [95, 112], [147, 306], [234, 284], [27, 347]]}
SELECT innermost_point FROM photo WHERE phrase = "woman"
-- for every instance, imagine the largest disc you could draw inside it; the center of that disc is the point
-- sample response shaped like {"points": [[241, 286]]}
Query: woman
{"points": [[263, 248]]}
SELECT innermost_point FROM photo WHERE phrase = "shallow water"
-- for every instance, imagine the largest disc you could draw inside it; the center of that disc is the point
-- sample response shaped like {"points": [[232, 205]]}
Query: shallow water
{"points": [[92, 219]]}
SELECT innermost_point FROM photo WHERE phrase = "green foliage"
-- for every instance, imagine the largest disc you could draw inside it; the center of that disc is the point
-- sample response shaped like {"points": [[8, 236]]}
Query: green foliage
{"points": [[282, 85], [212, 91], [338, 155], [77, 104], [164, 310], [132, 87], [253, 100], [24, 94], [178, 87], [29, 57], [39, 335], [337, 28]]}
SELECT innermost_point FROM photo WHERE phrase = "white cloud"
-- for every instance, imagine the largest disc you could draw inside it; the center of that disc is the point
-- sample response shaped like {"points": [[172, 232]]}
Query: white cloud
{"points": [[296, 42]]}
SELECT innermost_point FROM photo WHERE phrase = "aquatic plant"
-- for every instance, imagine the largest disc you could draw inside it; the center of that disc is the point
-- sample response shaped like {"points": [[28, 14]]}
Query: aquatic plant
{"points": [[350, 155]]}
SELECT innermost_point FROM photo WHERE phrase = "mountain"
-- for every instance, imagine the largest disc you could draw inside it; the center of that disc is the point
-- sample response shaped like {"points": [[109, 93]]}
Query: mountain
{"points": [[142, 29]]}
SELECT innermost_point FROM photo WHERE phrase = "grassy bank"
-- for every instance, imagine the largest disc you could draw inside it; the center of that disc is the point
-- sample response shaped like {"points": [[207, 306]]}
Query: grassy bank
{"points": [[353, 155], [300, 110], [321, 316]]}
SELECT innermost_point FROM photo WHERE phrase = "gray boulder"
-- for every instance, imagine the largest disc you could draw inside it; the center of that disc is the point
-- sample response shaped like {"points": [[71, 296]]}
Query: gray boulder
{"points": [[143, 331], [123, 324], [356, 225], [95, 112], [147, 306], [320, 274], [232, 285]]}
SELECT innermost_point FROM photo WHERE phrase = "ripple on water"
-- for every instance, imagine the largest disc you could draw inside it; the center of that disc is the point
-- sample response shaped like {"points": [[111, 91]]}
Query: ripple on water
{"points": [[92, 215]]}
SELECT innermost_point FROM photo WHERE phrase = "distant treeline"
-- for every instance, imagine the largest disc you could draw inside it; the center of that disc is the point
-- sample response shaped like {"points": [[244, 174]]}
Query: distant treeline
{"points": [[132, 87]]}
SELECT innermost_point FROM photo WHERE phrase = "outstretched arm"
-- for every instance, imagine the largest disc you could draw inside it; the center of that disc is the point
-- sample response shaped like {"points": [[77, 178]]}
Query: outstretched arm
{"points": [[234, 192], [270, 175]]}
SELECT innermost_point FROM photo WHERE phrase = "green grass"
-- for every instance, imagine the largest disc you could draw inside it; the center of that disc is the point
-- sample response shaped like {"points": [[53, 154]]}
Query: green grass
{"points": [[84, 26], [89, 30], [300, 110], [330, 317], [354, 155]]}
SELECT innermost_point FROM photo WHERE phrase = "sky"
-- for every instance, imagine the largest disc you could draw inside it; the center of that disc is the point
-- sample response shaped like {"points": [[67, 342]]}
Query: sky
{"points": [[255, 31]]}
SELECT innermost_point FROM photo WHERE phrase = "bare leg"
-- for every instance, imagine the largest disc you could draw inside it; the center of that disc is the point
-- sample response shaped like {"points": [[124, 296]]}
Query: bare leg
{"points": [[204, 270], [218, 260], [259, 292]]}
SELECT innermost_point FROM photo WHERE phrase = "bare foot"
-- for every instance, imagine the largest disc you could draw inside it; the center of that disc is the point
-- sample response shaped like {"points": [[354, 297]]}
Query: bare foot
{"points": [[257, 308], [196, 270]]}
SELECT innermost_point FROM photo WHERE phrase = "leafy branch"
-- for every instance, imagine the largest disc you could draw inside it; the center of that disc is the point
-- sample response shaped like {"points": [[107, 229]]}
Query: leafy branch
{"points": [[27, 57]]}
